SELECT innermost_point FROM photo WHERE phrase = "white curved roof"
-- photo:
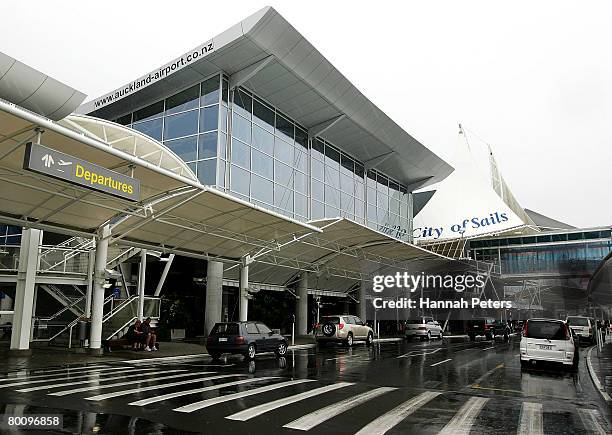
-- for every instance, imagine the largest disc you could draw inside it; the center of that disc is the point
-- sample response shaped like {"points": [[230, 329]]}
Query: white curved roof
{"points": [[23, 85], [129, 141], [268, 56]]}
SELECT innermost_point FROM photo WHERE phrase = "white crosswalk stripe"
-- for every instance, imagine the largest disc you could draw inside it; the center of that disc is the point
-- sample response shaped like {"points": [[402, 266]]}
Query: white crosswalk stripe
{"points": [[168, 396], [462, 422], [94, 378], [594, 422], [389, 420], [531, 420], [209, 402], [121, 384], [156, 387], [19, 374], [80, 376], [319, 416], [60, 376], [253, 412]]}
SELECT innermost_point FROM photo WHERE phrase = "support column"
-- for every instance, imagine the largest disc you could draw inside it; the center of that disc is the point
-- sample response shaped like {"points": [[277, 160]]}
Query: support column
{"points": [[244, 287], [91, 258], [214, 295], [361, 306], [97, 298], [142, 275], [301, 306], [24, 293]]}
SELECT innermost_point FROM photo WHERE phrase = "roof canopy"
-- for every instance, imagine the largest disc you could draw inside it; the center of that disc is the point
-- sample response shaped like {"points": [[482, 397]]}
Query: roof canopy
{"points": [[175, 212], [270, 57], [23, 85]]}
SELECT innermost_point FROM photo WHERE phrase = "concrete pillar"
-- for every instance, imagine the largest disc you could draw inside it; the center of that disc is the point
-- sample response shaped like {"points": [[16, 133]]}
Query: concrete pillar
{"points": [[24, 293], [142, 275], [91, 258], [301, 306], [244, 287], [97, 299], [214, 295], [361, 306]]}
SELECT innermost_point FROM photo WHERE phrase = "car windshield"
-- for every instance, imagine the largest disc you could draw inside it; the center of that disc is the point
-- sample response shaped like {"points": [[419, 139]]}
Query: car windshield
{"points": [[334, 320], [225, 329], [546, 330], [578, 321]]}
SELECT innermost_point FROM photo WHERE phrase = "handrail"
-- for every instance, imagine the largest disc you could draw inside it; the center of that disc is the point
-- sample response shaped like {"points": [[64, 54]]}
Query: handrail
{"points": [[68, 326], [65, 308]]}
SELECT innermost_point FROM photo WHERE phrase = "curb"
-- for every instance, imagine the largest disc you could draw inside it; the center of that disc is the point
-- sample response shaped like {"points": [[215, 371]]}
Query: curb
{"points": [[595, 379], [301, 346], [384, 340]]}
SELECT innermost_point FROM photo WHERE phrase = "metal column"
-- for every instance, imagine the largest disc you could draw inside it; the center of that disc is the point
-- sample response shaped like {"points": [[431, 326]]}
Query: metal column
{"points": [[214, 295], [97, 300], [244, 286], [24, 293], [361, 307], [301, 305], [142, 274]]}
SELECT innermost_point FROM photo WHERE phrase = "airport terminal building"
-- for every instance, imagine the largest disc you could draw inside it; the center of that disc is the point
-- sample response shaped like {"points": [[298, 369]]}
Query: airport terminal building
{"points": [[249, 164]]}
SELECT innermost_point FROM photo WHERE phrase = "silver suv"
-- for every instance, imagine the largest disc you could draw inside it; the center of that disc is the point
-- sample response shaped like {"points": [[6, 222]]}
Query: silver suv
{"points": [[424, 328], [343, 328], [583, 327]]}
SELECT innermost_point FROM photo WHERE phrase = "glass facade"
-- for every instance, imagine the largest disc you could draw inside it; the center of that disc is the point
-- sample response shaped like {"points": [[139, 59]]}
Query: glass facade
{"points": [[268, 158], [10, 236], [545, 253], [190, 124]]}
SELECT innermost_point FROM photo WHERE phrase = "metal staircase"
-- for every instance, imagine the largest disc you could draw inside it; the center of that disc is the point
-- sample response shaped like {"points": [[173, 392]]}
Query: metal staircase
{"points": [[70, 296]]}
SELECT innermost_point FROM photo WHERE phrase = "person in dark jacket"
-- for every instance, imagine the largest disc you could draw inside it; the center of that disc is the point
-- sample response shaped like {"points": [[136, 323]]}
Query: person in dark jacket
{"points": [[150, 338], [134, 335]]}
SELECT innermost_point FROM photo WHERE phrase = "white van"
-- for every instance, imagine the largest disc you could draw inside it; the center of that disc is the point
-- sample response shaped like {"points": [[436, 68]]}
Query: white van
{"points": [[583, 327], [548, 340]]}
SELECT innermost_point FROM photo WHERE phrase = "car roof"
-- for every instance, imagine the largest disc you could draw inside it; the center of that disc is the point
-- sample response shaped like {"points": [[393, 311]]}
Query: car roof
{"points": [[541, 319]]}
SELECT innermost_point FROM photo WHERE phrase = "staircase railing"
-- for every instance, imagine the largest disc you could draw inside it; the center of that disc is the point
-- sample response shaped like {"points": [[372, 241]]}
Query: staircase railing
{"points": [[114, 323]]}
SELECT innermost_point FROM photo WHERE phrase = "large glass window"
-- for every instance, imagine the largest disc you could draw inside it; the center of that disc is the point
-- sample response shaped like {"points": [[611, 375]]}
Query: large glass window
{"points": [[210, 91], [207, 146], [241, 128], [241, 154], [155, 110], [185, 147], [239, 180], [262, 189], [207, 171], [263, 140], [262, 164], [183, 101], [209, 118], [183, 124], [152, 128]]}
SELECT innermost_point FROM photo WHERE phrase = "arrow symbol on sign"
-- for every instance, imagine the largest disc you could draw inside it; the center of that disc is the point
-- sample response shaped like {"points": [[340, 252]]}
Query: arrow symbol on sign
{"points": [[48, 159]]}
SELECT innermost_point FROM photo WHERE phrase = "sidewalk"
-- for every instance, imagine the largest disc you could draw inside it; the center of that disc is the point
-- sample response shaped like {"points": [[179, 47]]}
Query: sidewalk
{"points": [[600, 369]]}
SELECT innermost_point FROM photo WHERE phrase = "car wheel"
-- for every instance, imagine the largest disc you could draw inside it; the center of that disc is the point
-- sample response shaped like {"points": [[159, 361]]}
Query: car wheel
{"points": [[349, 340], [489, 337], [215, 356], [251, 351], [409, 337], [506, 337], [281, 350], [524, 364], [370, 339], [472, 337]]}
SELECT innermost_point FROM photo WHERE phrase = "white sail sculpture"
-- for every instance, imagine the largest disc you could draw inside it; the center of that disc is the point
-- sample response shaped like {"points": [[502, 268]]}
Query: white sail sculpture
{"points": [[473, 201]]}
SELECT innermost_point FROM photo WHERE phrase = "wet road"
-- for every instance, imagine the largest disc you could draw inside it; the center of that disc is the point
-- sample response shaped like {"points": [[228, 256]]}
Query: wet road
{"points": [[449, 387]]}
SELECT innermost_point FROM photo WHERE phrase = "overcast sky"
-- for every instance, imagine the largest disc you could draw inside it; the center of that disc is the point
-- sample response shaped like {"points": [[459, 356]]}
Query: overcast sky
{"points": [[533, 79]]}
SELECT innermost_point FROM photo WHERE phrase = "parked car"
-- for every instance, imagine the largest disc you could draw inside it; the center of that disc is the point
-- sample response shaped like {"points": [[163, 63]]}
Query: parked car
{"points": [[489, 327], [342, 328], [548, 340], [424, 328], [246, 338], [518, 326], [583, 327]]}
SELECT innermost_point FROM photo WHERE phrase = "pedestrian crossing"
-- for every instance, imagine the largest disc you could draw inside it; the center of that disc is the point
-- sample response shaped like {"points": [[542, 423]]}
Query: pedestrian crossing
{"points": [[307, 405]]}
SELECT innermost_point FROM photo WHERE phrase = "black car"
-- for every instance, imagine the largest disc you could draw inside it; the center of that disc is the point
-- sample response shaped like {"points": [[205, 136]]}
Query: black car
{"points": [[246, 338], [489, 327]]}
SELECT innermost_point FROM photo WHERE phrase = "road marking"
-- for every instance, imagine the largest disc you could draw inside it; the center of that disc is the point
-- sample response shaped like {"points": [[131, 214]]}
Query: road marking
{"points": [[165, 358], [158, 386], [84, 381], [441, 362], [389, 420], [319, 416], [250, 413], [62, 376], [531, 420], [155, 399], [27, 381], [593, 421], [215, 400], [462, 422], [487, 348], [65, 369], [409, 354], [121, 384]]}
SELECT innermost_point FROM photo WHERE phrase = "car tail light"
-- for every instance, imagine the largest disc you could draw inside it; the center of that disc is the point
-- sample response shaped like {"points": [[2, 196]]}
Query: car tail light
{"points": [[239, 340], [340, 325], [525, 329], [209, 340], [590, 330], [317, 325], [567, 333], [487, 327]]}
